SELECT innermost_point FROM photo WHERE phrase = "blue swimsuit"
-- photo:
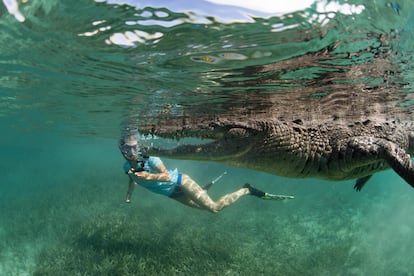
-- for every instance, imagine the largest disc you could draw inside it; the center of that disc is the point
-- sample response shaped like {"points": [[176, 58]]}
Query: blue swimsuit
{"points": [[169, 188]]}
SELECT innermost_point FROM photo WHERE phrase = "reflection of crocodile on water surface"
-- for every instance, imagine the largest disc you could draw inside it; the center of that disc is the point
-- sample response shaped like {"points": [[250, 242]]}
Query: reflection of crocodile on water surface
{"points": [[332, 150]]}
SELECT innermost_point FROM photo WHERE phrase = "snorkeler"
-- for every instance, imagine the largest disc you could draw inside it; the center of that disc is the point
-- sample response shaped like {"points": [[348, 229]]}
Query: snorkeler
{"points": [[151, 173]]}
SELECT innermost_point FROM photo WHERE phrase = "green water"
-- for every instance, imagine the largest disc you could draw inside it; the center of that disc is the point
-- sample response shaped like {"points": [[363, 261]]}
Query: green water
{"points": [[68, 86]]}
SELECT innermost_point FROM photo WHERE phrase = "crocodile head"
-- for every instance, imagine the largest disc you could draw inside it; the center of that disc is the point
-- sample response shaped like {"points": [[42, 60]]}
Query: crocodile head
{"points": [[230, 143]]}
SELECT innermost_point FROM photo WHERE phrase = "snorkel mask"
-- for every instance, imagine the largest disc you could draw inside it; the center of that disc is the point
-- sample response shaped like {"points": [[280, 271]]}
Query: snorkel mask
{"points": [[131, 149]]}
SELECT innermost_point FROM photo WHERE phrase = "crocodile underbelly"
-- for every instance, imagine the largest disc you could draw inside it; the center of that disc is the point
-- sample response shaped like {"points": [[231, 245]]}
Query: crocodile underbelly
{"points": [[321, 168], [357, 171]]}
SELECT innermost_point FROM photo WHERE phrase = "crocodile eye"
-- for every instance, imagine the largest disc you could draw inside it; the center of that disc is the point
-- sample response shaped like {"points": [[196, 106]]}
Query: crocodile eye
{"points": [[236, 132]]}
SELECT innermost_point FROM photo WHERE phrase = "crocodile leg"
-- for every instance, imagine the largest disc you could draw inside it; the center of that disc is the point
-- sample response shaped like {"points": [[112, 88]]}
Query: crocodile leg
{"points": [[360, 182], [395, 156]]}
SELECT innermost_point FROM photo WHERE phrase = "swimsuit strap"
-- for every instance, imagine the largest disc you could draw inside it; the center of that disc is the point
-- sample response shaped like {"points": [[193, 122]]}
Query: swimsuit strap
{"points": [[179, 177]]}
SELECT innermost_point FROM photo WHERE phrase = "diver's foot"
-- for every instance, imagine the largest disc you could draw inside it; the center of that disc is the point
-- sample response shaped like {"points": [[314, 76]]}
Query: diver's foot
{"points": [[254, 191], [263, 195]]}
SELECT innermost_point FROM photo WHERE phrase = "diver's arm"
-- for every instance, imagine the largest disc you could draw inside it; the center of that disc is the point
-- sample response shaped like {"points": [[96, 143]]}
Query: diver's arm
{"points": [[161, 176], [131, 186]]}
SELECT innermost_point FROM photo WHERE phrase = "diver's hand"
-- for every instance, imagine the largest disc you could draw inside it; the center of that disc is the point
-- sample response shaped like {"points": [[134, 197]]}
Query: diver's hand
{"points": [[142, 174], [135, 172], [128, 198]]}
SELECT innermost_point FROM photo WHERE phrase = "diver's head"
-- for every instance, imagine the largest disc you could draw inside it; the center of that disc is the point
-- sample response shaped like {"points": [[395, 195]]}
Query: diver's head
{"points": [[130, 148]]}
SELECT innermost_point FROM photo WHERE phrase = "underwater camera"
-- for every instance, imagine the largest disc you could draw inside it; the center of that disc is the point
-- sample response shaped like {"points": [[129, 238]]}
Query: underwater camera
{"points": [[139, 168]]}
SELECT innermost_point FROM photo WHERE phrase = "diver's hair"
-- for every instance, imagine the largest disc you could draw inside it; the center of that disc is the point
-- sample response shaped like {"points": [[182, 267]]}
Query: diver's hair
{"points": [[125, 139], [128, 134]]}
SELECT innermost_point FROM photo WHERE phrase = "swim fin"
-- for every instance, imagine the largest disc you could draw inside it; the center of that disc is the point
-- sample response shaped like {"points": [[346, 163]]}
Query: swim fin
{"points": [[264, 195], [277, 197]]}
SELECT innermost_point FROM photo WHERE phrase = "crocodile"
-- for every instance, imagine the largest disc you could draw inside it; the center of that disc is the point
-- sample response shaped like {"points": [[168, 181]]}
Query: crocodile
{"points": [[333, 150]]}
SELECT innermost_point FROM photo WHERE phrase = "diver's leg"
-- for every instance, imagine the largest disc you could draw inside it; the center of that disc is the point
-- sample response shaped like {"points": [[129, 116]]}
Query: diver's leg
{"points": [[200, 197], [229, 199], [184, 199]]}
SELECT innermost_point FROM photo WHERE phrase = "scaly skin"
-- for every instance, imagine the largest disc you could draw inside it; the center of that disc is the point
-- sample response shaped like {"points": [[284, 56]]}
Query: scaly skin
{"points": [[331, 150]]}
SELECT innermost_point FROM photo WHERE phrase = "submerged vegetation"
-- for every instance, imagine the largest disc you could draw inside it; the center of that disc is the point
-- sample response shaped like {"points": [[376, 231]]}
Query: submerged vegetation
{"points": [[88, 230]]}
